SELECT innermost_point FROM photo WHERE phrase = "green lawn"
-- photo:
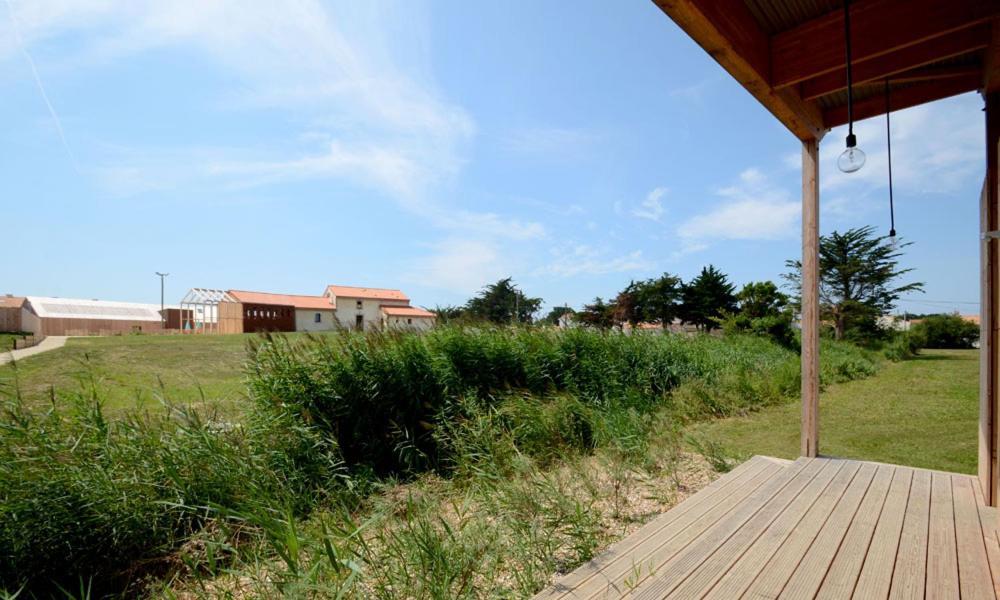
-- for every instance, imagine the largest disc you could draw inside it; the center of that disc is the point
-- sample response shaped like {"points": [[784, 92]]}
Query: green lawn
{"points": [[131, 368], [922, 412]]}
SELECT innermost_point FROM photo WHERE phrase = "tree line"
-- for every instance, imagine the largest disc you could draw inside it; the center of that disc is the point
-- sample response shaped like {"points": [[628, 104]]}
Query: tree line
{"points": [[860, 280]]}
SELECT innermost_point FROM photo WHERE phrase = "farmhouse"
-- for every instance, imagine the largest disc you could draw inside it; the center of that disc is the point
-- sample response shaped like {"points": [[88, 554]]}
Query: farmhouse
{"points": [[362, 307], [69, 316]]}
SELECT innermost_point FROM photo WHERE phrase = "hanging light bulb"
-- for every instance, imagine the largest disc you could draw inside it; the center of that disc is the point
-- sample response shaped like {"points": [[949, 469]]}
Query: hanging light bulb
{"points": [[852, 158]]}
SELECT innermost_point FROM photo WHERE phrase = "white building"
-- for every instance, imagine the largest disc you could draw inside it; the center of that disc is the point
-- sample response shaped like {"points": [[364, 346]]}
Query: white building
{"points": [[365, 308]]}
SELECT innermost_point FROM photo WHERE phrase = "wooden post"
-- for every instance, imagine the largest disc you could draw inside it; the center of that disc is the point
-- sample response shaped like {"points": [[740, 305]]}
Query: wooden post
{"points": [[810, 298], [989, 260]]}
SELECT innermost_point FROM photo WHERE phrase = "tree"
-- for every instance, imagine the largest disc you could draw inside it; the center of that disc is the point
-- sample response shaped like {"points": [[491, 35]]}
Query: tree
{"points": [[763, 310], [760, 299], [447, 314], [945, 331], [660, 298], [553, 317], [858, 275], [707, 297], [502, 302], [597, 314]]}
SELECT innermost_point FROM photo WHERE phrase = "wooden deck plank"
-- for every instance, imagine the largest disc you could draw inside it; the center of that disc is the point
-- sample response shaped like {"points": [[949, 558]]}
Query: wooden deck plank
{"points": [[942, 556], [988, 522], [911, 559], [625, 570], [710, 548], [823, 528], [771, 579], [846, 567], [876, 574], [808, 576], [665, 572], [764, 526], [974, 578]]}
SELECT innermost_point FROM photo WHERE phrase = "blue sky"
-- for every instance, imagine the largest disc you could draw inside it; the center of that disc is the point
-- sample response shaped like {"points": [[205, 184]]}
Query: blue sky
{"points": [[431, 146]]}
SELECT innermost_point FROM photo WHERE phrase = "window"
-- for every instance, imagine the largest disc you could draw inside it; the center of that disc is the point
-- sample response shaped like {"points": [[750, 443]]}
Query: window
{"points": [[409, 321], [359, 322], [318, 318], [360, 305]]}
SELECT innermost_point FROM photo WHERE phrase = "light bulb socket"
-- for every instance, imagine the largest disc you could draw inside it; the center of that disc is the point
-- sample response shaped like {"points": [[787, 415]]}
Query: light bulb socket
{"points": [[892, 233], [852, 140]]}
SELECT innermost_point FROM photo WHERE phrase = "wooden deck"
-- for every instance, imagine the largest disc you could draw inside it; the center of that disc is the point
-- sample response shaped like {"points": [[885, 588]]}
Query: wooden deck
{"points": [[812, 528]]}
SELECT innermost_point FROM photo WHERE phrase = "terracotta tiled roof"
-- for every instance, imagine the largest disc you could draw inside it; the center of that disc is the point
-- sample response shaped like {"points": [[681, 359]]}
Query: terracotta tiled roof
{"points": [[305, 302], [346, 291], [11, 301], [407, 311]]}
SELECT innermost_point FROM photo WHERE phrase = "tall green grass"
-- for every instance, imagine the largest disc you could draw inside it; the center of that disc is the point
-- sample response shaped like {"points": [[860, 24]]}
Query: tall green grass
{"points": [[292, 493]]}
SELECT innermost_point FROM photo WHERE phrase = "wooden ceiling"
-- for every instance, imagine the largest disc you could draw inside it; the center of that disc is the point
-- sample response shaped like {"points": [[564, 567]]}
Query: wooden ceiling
{"points": [[790, 54]]}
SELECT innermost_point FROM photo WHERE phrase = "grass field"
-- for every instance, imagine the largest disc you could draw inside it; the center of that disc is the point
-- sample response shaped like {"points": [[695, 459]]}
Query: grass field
{"points": [[922, 412], [193, 369]]}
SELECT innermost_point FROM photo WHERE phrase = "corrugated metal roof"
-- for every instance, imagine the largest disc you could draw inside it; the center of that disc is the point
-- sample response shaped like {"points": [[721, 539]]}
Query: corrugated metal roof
{"points": [[774, 16], [308, 302], [74, 308], [346, 291]]}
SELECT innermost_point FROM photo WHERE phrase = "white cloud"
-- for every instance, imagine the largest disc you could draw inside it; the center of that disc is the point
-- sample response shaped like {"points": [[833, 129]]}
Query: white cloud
{"points": [[581, 259], [356, 70], [936, 148], [753, 209], [460, 265], [652, 207]]}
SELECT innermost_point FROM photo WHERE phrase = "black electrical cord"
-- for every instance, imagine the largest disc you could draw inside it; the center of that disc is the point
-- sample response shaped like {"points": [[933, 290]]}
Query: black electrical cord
{"points": [[888, 145], [850, 79]]}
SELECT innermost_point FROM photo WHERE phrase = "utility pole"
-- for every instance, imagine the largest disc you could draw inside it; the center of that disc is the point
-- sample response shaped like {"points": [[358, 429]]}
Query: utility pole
{"points": [[163, 316]]}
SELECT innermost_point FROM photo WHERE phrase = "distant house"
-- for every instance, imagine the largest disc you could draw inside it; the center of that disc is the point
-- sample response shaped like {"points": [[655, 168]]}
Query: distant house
{"points": [[10, 313], [364, 308], [242, 311], [70, 316], [264, 311]]}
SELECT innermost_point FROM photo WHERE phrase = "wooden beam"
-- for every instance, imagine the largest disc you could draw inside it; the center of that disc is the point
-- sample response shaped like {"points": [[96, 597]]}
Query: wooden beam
{"points": [[991, 61], [919, 93], [727, 31], [989, 319], [878, 27], [810, 298], [947, 46]]}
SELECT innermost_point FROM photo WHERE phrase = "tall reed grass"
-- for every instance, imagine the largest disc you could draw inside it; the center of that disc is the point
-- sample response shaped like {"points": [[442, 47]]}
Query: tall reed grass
{"points": [[113, 503]]}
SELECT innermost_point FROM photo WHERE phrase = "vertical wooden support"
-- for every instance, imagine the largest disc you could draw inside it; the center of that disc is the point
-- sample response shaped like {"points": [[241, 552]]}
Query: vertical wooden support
{"points": [[810, 298], [989, 261]]}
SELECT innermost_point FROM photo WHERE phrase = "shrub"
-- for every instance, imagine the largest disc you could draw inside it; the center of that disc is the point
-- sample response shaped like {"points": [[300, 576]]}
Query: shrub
{"points": [[946, 331]]}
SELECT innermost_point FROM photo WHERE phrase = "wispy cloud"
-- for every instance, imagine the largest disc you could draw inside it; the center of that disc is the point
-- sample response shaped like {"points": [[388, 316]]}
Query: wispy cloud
{"points": [[387, 124], [935, 149], [753, 209], [460, 265], [652, 207], [570, 260]]}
